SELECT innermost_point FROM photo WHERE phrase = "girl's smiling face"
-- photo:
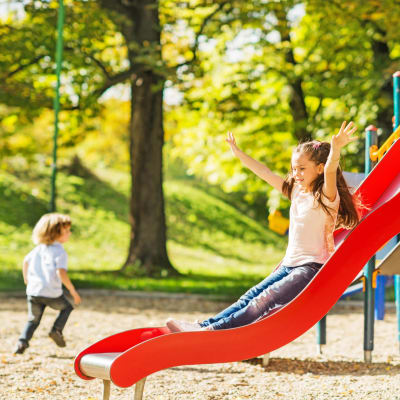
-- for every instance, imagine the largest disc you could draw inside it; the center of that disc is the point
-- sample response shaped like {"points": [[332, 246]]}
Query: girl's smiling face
{"points": [[305, 171]]}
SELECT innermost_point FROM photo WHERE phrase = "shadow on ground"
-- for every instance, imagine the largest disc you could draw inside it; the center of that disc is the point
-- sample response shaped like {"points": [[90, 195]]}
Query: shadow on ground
{"points": [[331, 368]]}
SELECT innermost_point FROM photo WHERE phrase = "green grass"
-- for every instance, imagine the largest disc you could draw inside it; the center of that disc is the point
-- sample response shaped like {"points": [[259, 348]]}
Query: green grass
{"points": [[218, 249]]}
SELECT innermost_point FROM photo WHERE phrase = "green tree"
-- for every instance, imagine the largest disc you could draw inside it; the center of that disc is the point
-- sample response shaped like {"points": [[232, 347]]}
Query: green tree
{"points": [[91, 67], [367, 41], [277, 72], [299, 71], [106, 43]]}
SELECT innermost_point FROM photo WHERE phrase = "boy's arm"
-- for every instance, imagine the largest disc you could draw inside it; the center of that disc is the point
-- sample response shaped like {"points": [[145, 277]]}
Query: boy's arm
{"points": [[63, 274], [255, 166], [25, 266]]}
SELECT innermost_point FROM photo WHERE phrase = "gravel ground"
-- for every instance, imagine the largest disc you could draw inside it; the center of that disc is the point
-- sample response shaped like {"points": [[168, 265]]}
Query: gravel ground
{"points": [[295, 372]]}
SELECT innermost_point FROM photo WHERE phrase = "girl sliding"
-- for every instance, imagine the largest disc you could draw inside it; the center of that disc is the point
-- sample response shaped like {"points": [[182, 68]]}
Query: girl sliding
{"points": [[320, 202]]}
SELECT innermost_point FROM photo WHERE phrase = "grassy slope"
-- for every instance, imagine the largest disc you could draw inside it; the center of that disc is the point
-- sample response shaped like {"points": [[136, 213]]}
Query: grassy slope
{"points": [[219, 249]]}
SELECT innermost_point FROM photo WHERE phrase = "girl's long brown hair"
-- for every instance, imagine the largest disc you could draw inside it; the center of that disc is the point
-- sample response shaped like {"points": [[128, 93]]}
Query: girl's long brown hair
{"points": [[318, 152]]}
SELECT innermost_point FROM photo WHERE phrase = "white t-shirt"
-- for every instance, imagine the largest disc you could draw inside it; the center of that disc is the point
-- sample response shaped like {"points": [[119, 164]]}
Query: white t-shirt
{"points": [[43, 262], [310, 229]]}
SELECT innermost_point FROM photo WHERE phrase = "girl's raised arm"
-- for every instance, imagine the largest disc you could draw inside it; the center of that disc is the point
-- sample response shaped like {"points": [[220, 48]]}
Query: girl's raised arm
{"points": [[255, 166], [338, 141]]}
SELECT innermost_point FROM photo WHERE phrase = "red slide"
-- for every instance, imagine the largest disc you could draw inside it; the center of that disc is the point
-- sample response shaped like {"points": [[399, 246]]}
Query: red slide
{"points": [[132, 355]]}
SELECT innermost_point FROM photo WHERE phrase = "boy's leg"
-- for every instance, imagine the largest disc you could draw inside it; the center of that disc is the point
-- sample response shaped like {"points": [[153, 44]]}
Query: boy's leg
{"points": [[252, 293], [35, 312], [276, 295], [60, 303]]}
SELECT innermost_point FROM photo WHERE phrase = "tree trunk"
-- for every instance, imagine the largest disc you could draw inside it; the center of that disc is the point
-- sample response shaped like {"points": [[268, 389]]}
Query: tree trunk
{"points": [[382, 63], [299, 111], [140, 26], [297, 100], [147, 251]]}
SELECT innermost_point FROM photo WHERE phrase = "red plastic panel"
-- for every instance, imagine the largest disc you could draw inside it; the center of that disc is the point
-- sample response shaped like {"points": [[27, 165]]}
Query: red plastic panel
{"points": [[148, 350]]}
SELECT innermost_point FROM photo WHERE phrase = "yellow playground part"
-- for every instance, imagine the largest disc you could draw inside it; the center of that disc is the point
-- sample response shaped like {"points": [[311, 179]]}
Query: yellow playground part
{"points": [[376, 154], [278, 223]]}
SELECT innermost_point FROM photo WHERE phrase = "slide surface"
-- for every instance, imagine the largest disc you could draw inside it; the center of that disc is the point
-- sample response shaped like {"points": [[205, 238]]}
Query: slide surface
{"points": [[141, 352]]}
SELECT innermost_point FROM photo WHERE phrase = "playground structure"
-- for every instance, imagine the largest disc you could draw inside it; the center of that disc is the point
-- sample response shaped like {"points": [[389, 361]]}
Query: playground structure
{"points": [[127, 358], [278, 223], [375, 277]]}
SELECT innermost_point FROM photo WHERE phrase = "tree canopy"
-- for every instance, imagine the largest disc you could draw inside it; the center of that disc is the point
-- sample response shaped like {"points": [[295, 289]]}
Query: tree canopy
{"points": [[274, 72]]}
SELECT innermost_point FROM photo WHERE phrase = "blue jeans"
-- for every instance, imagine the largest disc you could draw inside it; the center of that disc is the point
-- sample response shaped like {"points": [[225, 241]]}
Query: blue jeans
{"points": [[36, 306], [278, 289]]}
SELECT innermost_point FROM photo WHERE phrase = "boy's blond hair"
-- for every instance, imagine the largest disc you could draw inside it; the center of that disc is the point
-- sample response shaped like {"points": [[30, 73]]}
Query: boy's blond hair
{"points": [[49, 228]]}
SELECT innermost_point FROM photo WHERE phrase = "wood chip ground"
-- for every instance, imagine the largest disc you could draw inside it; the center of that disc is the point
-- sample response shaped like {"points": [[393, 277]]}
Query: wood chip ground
{"points": [[295, 371]]}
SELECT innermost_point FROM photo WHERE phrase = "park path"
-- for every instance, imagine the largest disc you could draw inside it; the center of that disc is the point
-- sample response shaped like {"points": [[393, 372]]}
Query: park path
{"points": [[295, 371]]}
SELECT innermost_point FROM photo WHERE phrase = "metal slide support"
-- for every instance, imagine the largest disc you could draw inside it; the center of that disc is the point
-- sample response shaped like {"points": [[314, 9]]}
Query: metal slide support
{"points": [[321, 335], [266, 360], [371, 138], [106, 389], [139, 388]]}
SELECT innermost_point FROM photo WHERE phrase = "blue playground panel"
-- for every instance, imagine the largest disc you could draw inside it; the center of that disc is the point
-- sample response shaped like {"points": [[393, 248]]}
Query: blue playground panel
{"points": [[381, 282]]}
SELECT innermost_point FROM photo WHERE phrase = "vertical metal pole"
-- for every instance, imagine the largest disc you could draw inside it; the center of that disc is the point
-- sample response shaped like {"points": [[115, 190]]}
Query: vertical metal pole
{"points": [[139, 388], [396, 98], [321, 334], [371, 139], [397, 299], [265, 361], [396, 104], [59, 51], [106, 389]]}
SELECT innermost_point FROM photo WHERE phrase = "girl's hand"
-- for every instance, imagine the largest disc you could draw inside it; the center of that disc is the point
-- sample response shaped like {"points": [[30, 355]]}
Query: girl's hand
{"points": [[232, 142], [344, 136]]}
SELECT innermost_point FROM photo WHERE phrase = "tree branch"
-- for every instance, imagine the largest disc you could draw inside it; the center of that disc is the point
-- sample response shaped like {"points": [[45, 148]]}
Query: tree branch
{"points": [[99, 64], [110, 82], [22, 67], [95, 60], [199, 33], [119, 78]]}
